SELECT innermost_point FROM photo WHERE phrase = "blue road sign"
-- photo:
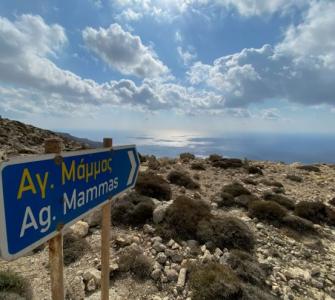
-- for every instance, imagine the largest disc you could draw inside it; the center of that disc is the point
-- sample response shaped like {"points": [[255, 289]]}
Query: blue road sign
{"points": [[41, 195]]}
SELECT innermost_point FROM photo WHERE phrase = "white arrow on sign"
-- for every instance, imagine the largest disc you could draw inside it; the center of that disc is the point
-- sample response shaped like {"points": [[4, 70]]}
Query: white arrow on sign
{"points": [[133, 167]]}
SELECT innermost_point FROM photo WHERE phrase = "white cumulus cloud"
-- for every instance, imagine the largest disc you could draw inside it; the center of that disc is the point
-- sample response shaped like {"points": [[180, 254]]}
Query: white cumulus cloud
{"points": [[124, 52]]}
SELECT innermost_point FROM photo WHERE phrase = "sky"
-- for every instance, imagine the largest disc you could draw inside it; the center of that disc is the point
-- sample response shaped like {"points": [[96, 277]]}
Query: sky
{"points": [[158, 66]]}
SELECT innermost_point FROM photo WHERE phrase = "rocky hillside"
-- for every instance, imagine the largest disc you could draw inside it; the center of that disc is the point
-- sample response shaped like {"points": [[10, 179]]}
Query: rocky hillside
{"points": [[195, 228], [17, 138]]}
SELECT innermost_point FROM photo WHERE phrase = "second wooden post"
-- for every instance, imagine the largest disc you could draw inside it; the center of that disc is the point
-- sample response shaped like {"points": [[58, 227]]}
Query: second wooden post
{"points": [[105, 238]]}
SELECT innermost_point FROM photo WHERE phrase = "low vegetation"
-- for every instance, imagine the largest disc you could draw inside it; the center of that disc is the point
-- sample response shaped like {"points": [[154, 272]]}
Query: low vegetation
{"points": [[214, 282], [309, 168], [13, 285], [315, 211], [198, 166], [186, 156], [228, 163], [235, 189], [280, 199], [152, 185], [182, 179], [74, 248], [267, 210], [226, 232], [183, 215], [132, 209], [131, 259]]}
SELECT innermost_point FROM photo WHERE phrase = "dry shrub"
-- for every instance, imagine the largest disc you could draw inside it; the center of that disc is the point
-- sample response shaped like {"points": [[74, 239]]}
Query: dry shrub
{"points": [[294, 178], [152, 185], [225, 199], [315, 211], [235, 189], [228, 163], [184, 214], [249, 181], [214, 282], [132, 209], [182, 179], [74, 248], [245, 200], [272, 183], [12, 284], [251, 292], [267, 210], [186, 156], [215, 157], [226, 232], [280, 199], [198, 166], [247, 268], [132, 259], [298, 224], [309, 168], [254, 170]]}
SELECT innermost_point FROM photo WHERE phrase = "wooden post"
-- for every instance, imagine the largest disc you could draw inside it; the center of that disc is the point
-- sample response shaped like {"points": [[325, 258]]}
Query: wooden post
{"points": [[56, 243], [105, 234]]}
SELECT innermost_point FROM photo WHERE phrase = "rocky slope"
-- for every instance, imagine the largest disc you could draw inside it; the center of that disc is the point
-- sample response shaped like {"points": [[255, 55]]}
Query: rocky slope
{"points": [[160, 251]]}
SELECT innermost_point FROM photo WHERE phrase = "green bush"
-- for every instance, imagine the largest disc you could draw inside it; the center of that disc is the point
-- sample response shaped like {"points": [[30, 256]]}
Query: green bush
{"points": [[182, 179], [132, 209], [214, 282], [226, 232], [267, 210], [13, 283], [280, 199], [74, 248], [235, 189], [315, 211], [184, 214], [152, 185]]}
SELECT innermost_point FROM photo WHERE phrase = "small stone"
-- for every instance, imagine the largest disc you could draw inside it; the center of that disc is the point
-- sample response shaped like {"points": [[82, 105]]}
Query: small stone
{"points": [[159, 247], [161, 258], [156, 274], [181, 279], [80, 229], [170, 243], [172, 275], [148, 229]]}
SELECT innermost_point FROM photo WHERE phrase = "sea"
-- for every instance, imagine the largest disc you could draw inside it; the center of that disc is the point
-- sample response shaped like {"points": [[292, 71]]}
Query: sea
{"points": [[305, 148]]}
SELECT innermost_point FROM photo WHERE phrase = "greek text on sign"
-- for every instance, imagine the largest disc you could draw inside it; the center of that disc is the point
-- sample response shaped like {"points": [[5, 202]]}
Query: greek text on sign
{"points": [[41, 195]]}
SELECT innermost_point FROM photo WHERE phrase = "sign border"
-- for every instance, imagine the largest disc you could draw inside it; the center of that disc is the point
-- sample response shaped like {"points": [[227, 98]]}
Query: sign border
{"points": [[4, 254]]}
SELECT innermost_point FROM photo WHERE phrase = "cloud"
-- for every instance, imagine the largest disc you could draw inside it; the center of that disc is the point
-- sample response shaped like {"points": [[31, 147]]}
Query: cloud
{"points": [[295, 69], [270, 114], [250, 8], [31, 83], [168, 11], [186, 56], [124, 52]]}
